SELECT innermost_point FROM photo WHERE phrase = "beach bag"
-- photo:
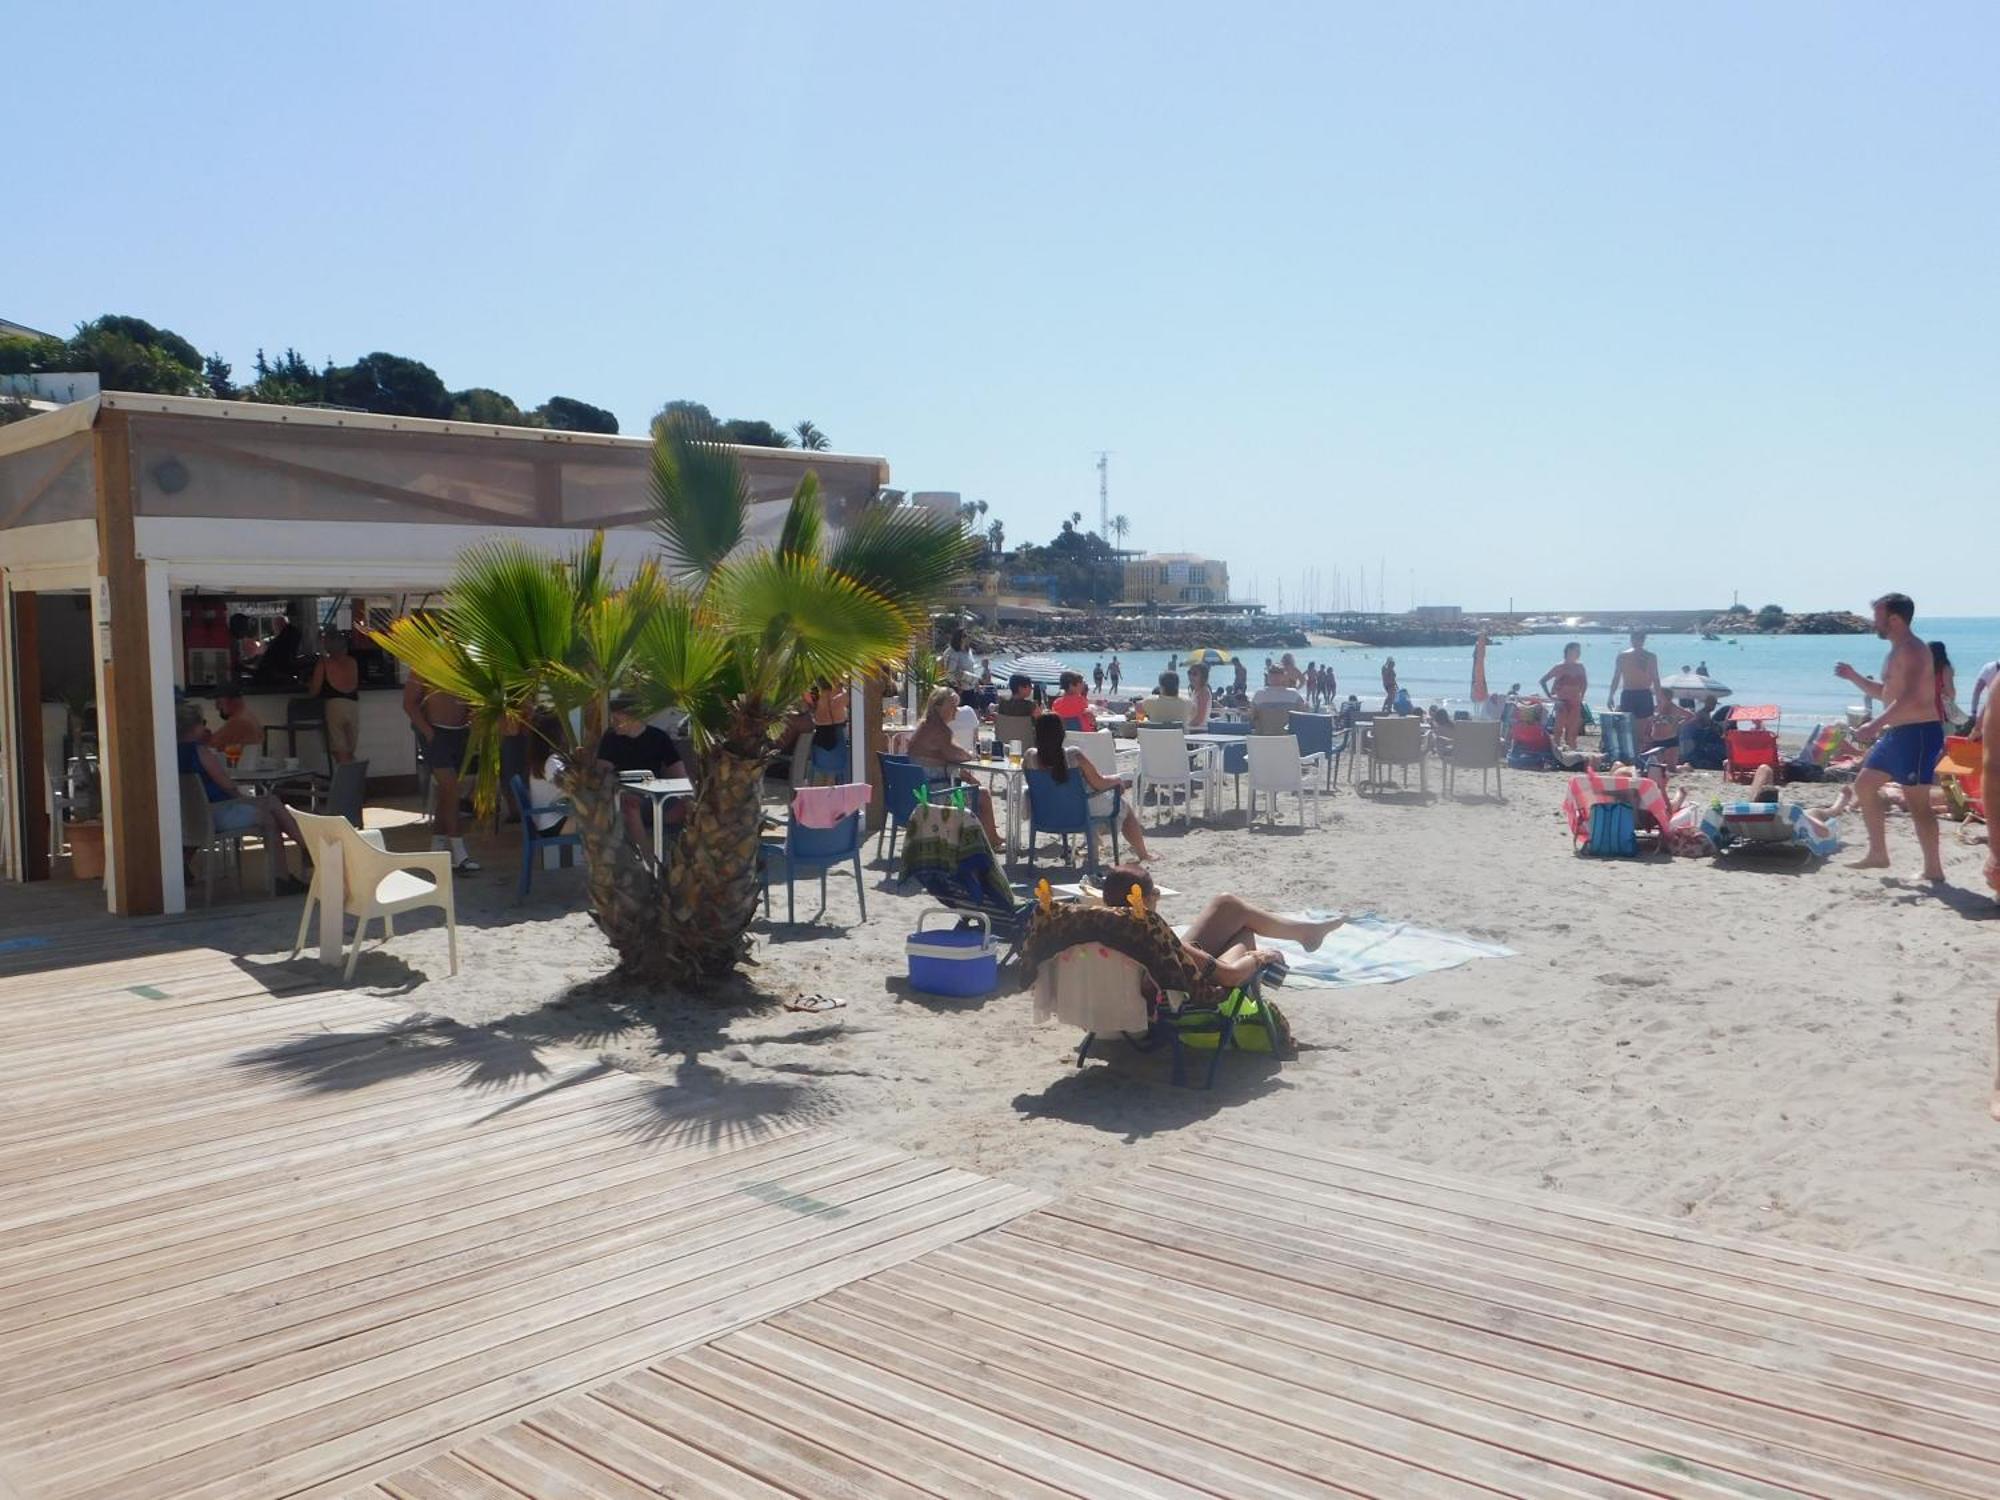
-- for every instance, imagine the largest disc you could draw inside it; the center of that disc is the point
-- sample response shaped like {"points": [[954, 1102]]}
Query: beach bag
{"points": [[1198, 1029], [1613, 834]]}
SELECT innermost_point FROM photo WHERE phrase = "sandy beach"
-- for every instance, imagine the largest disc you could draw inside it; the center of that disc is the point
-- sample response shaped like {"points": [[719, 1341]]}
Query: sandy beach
{"points": [[1756, 1047]]}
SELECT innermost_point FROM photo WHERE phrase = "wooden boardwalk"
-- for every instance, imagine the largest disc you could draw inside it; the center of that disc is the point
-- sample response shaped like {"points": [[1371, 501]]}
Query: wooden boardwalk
{"points": [[260, 1239], [1251, 1318]]}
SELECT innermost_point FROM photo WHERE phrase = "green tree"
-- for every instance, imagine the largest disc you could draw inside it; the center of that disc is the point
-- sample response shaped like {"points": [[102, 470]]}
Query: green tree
{"points": [[691, 411], [215, 373], [1771, 617], [1119, 527], [21, 355], [286, 381], [391, 384], [130, 354], [996, 538], [733, 635], [567, 414], [485, 405], [810, 437], [754, 432]]}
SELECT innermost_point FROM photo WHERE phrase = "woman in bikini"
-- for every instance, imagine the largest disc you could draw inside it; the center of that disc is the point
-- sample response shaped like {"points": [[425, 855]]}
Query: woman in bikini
{"points": [[1567, 682], [1224, 941]]}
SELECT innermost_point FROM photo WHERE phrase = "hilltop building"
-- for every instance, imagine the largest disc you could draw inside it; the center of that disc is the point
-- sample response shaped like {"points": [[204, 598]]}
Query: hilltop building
{"points": [[1175, 578]]}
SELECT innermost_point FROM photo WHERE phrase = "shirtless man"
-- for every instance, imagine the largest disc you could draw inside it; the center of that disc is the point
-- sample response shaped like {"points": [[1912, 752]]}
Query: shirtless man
{"points": [[443, 730], [1906, 738], [1635, 682]]}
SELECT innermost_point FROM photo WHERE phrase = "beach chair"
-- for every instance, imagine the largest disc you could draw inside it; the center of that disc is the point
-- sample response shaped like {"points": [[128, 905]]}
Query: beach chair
{"points": [[1166, 768], [1063, 808], [1474, 746], [1960, 767], [902, 782], [1650, 812], [1747, 749], [347, 791], [1397, 743], [1106, 970], [1319, 734], [945, 853], [533, 842], [1014, 732], [373, 883], [808, 852], [1739, 827], [1277, 769], [1617, 741], [832, 763]]}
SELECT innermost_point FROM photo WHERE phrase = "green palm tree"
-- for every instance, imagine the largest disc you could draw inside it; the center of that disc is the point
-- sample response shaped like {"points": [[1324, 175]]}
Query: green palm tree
{"points": [[810, 437], [1119, 527], [730, 631]]}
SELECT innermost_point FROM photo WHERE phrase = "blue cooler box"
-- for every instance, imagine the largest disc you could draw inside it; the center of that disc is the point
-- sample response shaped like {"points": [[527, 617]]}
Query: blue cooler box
{"points": [[958, 961]]}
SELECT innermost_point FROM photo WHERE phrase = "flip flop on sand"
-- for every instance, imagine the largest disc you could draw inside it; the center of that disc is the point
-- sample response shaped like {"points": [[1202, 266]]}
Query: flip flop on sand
{"points": [[815, 1003]]}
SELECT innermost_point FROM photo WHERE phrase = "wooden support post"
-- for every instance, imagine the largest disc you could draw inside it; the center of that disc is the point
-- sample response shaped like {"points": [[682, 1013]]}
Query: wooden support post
{"points": [[864, 728], [125, 746], [31, 769]]}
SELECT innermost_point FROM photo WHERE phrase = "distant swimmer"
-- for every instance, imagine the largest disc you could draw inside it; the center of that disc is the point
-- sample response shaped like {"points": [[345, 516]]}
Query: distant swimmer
{"points": [[1905, 739]]}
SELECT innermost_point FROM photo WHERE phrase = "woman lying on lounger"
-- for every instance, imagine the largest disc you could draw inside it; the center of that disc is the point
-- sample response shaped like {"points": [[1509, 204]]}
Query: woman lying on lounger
{"points": [[1223, 942]]}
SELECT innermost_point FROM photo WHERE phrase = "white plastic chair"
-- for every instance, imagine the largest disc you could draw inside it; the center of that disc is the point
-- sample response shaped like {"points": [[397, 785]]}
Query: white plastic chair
{"points": [[375, 883], [1397, 742], [1164, 767], [1099, 747], [1278, 770]]}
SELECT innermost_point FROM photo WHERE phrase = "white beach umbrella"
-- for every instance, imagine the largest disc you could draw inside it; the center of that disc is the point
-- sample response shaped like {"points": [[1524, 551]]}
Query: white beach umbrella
{"points": [[1694, 685]]}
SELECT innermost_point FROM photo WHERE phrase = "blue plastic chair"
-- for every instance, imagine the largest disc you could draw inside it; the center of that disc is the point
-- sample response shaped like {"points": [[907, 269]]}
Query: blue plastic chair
{"points": [[1073, 723], [902, 778], [812, 851], [1063, 807], [1317, 736], [533, 842]]}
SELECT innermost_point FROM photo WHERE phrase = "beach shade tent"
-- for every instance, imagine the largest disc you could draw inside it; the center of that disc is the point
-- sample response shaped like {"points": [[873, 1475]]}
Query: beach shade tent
{"points": [[1043, 671], [127, 503]]}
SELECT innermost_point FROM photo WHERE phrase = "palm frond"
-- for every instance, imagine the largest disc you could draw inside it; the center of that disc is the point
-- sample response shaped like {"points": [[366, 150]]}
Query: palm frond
{"points": [[806, 519], [906, 556], [680, 657], [701, 500], [797, 621]]}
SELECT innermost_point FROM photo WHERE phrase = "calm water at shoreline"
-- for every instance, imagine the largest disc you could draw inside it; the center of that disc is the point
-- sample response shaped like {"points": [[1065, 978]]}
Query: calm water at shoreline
{"points": [[1793, 671]]}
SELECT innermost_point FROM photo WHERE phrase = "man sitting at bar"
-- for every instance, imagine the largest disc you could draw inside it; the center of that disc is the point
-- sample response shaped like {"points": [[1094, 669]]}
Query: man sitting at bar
{"points": [[240, 728], [229, 810], [631, 744]]}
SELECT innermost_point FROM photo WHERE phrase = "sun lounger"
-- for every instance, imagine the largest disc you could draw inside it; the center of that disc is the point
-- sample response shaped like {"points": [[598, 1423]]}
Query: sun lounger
{"points": [[1741, 826]]}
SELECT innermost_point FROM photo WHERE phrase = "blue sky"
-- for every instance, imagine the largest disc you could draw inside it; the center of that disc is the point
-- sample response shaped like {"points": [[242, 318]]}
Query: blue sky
{"points": [[1579, 305]]}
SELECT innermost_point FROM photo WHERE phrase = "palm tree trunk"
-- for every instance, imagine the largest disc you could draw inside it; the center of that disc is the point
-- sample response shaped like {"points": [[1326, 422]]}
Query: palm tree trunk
{"points": [[711, 894], [624, 889]]}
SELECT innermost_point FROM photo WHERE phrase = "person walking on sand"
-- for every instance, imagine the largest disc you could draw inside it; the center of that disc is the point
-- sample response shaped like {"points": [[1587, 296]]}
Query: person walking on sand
{"points": [[1635, 681], [1479, 693], [1567, 682], [1113, 672], [1905, 739], [1388, 684]]}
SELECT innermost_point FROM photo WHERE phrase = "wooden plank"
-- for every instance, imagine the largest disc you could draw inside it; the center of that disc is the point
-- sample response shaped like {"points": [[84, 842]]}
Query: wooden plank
{"points": [[1192, 1329], [126, 748], [275, 1438], [646, 1455], [862, 1435], [476, 1277], [525, 1460]]}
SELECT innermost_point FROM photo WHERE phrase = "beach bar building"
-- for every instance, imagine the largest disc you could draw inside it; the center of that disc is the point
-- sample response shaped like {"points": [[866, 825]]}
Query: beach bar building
{"points": [[137, 531]]}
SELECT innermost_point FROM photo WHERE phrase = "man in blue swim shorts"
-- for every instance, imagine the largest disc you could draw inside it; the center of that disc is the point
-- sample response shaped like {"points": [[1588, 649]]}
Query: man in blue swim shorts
{"points": [[1905, 739]]}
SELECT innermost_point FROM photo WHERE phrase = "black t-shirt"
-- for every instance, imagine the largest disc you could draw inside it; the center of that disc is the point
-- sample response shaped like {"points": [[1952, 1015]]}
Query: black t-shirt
{"points": [[651, 749]]}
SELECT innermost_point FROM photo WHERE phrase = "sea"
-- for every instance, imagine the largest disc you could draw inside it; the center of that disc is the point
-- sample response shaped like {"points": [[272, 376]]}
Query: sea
{"points": [[1793, 671]]}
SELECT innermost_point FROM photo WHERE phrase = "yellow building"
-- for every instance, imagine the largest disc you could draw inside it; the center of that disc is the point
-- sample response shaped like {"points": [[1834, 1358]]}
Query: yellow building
{"points": [[1175, 578]]}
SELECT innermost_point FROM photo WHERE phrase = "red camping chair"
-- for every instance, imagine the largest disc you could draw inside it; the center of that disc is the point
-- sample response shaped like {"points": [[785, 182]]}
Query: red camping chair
{"points": [[1744, 750], [1961, 763]]}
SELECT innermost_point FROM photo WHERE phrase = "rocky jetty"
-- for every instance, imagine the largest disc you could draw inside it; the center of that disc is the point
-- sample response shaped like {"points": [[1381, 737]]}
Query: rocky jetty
{"points": [[1816, 622]]}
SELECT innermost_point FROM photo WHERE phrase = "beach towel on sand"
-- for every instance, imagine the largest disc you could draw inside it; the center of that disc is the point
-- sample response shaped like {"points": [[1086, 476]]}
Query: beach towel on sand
{"points": [[1378, 950]]}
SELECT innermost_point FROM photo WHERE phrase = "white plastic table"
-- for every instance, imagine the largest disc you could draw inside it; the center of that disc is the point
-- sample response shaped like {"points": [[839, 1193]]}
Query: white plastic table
{"points": [[662, 791]]}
